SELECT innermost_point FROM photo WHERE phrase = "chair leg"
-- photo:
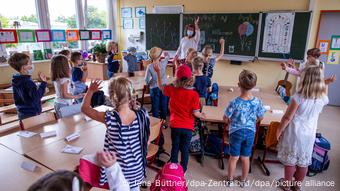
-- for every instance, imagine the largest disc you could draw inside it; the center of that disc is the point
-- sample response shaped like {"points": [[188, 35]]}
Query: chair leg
{"points": [[262, 162]]}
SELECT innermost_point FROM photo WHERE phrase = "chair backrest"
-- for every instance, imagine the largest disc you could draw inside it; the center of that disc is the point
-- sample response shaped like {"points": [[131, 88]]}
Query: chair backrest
{"points": [[270, 139], [70, 110], [155, 131], [37, 120]]}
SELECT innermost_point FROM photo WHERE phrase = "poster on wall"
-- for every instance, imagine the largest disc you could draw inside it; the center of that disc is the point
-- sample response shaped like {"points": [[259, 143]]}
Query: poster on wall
{"points": [[72, 35], [58, 35], [26, 35], [140, 11], [335, 42], [8, 36], [333, 57], [324, 46], [107, 34], [127, 23], [278, 32], [84, 35], [141, 23], [96, 35], [43, 35], [126, 12]]}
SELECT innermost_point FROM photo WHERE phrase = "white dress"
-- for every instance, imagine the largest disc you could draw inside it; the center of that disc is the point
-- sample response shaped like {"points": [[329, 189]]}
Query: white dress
{"points": [[296, 145]]}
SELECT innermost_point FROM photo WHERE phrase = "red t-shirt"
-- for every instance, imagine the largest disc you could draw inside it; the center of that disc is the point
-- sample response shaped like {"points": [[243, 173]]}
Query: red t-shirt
{"points": [[183, 103]]}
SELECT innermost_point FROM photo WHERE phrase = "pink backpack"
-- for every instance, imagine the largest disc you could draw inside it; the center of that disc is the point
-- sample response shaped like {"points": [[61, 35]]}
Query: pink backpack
{"points": [[170, 178]]}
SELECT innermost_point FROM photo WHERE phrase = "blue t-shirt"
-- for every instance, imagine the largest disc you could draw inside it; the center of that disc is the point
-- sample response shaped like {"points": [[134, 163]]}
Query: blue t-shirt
{"points": [[132, 63], [77, 74], [202, 83], [243, 114]]}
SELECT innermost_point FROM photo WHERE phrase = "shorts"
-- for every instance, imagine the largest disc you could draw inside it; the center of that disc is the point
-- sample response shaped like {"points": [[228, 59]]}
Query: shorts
{"points": [[241, 142]]}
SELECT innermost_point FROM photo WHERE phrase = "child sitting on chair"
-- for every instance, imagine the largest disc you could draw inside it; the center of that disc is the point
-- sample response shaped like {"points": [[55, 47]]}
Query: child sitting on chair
{"points": [[241, 116]]}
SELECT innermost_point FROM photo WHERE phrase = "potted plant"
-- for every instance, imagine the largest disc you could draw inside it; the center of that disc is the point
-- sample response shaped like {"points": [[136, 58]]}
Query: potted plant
{"points": [[99, 50]]}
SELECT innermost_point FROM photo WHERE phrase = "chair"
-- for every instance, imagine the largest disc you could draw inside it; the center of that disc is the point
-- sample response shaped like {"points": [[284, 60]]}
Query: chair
{"points": [[70, 110], [270, 144], [155, 135], [37, 120], [145, 99]]}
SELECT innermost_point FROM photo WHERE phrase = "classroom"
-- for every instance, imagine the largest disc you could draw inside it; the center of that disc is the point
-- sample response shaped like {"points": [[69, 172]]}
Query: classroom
{"points": [[166, 95]]}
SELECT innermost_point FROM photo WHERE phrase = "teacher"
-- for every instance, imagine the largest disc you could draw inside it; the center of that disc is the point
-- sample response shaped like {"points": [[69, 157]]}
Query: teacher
{"points": [[190, 41]]}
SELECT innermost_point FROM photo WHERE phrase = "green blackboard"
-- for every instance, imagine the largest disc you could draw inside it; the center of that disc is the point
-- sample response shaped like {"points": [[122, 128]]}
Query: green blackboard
{"points": [[162, 30], [238, 29], [299, 38]]}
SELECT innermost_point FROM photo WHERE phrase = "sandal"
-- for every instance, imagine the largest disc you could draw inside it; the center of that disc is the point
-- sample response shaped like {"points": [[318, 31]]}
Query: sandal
{"points": [[281, 184]]}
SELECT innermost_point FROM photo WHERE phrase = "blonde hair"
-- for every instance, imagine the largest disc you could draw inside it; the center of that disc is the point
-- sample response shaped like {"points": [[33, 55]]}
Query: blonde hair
{"points": [[189, 51], [207, 50], [110, 46], [247, 80], [187, 83], [121, 91], [198, 63], [155, 53], [60, 67], [312, 84]]}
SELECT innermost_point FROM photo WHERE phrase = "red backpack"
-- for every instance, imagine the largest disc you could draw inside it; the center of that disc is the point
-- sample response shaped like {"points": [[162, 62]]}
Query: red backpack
{"points": [[170, 178]]}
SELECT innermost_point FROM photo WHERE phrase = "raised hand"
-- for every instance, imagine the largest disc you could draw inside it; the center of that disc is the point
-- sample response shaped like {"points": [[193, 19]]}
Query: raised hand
{"points": [[166, 54], [222, 41], [197, 20], [330, 80], [283, 66], [95, 85], [42, 77]]}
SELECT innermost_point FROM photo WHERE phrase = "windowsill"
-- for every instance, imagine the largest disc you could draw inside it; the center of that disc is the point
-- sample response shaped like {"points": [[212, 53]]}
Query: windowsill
{"points": [[34, 62]]}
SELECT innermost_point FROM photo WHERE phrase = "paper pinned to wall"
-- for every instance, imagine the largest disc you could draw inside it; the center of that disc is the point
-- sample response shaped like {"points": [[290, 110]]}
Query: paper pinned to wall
{"points": [[333, 57], [278, 32]]}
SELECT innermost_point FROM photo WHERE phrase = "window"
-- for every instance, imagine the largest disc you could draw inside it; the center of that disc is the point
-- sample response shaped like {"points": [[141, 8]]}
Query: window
{"points": [[63, 16], [20, 17]]}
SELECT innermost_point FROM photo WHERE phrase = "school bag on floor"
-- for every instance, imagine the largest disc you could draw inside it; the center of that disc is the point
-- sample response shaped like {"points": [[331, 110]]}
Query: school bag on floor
{"points": [[212, 98], [320, 159], [170, 178]]}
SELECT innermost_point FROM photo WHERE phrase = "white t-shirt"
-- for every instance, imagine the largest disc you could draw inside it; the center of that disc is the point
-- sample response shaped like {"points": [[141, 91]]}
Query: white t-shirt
{"points": [[57, 86], [187, 43]]}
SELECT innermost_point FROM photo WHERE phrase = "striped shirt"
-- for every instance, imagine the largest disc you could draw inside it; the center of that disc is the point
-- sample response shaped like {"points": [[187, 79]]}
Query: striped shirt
{"points": [[124, 140]]}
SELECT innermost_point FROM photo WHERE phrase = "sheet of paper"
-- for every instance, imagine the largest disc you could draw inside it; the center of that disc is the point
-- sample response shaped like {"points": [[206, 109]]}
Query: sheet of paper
{"points": [[26, 134], [72, 137], [72, 149], [28, 166], [48, 134], [267, 107], [277, 111]]}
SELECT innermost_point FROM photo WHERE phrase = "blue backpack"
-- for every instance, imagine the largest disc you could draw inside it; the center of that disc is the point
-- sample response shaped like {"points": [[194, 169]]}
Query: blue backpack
{"points": [[320, 159], [213, 95]]}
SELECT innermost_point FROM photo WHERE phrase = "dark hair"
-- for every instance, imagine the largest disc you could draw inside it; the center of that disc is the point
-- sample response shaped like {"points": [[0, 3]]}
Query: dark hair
{"points": [[75, 56], [198, 63], [315, 52], [18, 60], [247, 79], [56, 181], [191, 26], [65, 52], [59, 67]]}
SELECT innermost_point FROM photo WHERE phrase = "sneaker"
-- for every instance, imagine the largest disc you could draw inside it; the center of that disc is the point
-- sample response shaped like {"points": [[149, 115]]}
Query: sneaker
{"points": [[241, 183], [282, 186], [230, 183]]}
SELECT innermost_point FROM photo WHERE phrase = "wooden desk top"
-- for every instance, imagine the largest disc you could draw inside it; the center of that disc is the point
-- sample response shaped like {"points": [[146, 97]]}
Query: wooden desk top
{"points": [[92, 140], [269, 97], [13, 177]]}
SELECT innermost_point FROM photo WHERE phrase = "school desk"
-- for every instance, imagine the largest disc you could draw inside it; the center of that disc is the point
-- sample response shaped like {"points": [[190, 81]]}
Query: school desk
{"points": [[64, 127], [13, 177], [92, 140]]}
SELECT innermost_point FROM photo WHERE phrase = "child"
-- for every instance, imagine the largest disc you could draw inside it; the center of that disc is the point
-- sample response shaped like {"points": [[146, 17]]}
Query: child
{"points": [[241, 116], [312, 54], [190, 41], [128, 129], [131, 60], [191, 54], [66, 53], [209, 61], [60, 74], [112, 59], [184, 106], [27, 95], [202, 82], [159, 102], [297, 130], [70, 181], [79, 75]]}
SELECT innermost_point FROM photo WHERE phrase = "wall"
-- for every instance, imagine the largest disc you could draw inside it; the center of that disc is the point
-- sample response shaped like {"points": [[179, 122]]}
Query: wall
{"points": [[225, 74]]}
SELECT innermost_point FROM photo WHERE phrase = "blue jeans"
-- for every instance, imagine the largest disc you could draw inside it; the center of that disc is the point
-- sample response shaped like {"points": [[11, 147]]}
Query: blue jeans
{"points": [[241, 142], [159, 103], [180, 142], [110, 74]]}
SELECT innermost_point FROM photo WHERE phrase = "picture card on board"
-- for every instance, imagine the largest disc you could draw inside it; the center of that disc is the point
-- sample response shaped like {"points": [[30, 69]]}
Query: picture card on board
{"points": [[107, 34], [324, 46], [84, 34], [72, 35], [58, 35], [8, 36], [335, 42], [26, 35], [96, 35], [43, 35]]}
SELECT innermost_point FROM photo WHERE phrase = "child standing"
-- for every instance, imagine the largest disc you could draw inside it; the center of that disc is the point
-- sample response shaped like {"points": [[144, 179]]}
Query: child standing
{"points": [[184, 106], [241, 116], [209, 61], [79, 75], [297, 130], [131, 60], [191, 54], [128, 129], [27, 95], [66, 53], [202, 82], [159, 101], [60, 74], [112, 59]]}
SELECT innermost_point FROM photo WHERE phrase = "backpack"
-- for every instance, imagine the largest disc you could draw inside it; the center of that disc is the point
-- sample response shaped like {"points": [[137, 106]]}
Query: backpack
{"points": [[320, 159], [170, 178], [98, 98], [213, 95]]}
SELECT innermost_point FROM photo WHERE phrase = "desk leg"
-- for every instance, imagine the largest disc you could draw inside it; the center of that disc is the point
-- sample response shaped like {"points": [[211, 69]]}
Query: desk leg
{"points": [[220, 131]]}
